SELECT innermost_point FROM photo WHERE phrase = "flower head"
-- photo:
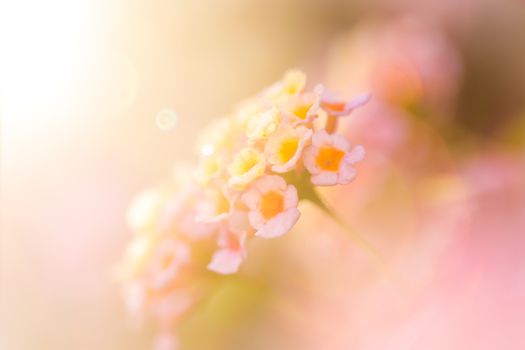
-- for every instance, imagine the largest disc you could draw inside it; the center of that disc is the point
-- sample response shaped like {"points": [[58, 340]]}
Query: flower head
{"points": [[203, 222]]}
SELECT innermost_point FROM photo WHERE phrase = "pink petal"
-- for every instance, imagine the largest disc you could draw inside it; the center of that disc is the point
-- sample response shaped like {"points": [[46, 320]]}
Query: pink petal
{"points": [[280, 224], [341, 142], [226, 261], [290, 197], [321, 138], [269, 183], [309, 155], [166, 341], [359, 101], [356, 155], [324, 179], [346, 174], [251, 198], [256, 219]]}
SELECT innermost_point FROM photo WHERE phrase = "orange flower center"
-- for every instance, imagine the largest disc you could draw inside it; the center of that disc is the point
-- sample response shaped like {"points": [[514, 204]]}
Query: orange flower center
{"points": [[272, 203], [329, 159]]}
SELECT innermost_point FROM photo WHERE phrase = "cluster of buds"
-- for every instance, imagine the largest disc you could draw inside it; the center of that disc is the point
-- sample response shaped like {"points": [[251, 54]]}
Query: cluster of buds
{"points": [[255, 166]]}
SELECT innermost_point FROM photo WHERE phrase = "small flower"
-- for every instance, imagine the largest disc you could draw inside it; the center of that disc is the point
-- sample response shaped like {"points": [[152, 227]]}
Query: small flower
{"points": [[233, 232], [246, 110], [231, 253], [209, 168], [221, 136], [284, 148], [136, 257], [329, 159], [169, 257], [144, 211], [292, 84], [301, 109], [273, 206], [215, 206], [337, 107], [248, 164], [170, 304], [262, 125]]}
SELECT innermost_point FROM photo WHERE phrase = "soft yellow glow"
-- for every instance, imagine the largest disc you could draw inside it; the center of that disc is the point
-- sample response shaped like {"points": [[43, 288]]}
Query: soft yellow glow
{"points": [[288, 148]]}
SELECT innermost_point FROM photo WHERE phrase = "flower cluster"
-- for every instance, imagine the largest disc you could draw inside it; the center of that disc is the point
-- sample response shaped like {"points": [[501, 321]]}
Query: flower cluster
{"points": [[254, 167]]}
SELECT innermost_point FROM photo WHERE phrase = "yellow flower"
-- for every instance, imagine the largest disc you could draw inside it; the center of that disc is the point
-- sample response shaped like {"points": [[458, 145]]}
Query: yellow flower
{"points": [[301, 109], [136, 256], [284, 148], [262, 125], [292, 84], [245, 111], [209, 168], [248, 164]]}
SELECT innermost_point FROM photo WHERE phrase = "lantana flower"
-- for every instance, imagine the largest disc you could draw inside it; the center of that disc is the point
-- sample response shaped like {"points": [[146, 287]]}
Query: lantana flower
{"points": [[301, 109], [170, 257], [292, 84], [330, 159], [262, 125], [273, 206], [254, 167], [231, 253], [248, 164], [284, 148]]}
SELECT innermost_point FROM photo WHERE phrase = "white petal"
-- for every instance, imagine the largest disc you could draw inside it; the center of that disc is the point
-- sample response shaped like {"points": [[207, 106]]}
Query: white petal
{"points": [[226, 261]]}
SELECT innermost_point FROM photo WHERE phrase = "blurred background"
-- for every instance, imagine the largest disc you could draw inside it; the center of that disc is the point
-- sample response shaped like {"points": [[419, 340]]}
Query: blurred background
{"points": [[100, 99]]}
